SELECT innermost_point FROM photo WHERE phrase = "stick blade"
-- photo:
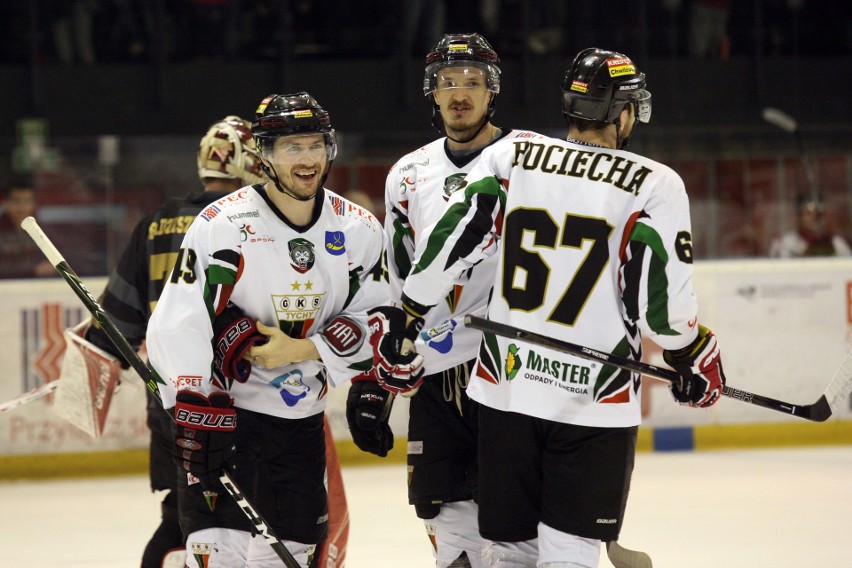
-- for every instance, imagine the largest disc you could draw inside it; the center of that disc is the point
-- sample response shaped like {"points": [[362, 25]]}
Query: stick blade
{"points": [[625, 558], [780, 119]]}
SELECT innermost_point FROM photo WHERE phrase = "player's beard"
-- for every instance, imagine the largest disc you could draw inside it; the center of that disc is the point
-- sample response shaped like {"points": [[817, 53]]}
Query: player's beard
{"points": [[463, 129], [300, 188]]}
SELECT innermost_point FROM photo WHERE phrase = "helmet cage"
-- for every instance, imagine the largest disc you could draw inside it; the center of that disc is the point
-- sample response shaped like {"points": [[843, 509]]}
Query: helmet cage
{"points": [[228, 151], [490, 71]]}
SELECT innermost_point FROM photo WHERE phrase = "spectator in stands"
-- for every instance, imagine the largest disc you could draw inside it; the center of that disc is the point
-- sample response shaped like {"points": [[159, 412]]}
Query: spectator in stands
{"points": [[811, 237], [19, 255]]}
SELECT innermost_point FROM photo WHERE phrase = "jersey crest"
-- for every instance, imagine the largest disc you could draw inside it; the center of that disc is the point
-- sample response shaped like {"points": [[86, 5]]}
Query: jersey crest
{"points": [[302, 255]]}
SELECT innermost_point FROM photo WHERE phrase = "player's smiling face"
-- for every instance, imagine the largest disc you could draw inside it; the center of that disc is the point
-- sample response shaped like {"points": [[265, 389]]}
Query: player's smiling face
{"points": [[462, 94], [300, 162]]}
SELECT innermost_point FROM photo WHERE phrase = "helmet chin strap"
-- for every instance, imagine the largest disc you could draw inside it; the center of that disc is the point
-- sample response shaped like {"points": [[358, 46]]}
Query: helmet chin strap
{"points": [[273, 175]]}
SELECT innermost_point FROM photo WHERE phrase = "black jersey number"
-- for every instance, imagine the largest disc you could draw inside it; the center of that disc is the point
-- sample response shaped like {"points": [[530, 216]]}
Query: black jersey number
{"points": [[575, 231], [184, 267]]}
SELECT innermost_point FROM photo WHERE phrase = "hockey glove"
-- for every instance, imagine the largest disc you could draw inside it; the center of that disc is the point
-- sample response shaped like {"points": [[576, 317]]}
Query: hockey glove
{"points": [[399, 368], [367, 412], [700, 368], [234, 333], [204, 437]]}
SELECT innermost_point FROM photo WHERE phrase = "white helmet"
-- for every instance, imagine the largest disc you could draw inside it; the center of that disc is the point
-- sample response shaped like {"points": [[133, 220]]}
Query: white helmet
{"points": [[228, 151]]}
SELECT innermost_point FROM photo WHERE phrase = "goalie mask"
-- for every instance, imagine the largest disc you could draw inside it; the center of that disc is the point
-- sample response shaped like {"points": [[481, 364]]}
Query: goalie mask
{"points": [[471, 52], [227, 151]]}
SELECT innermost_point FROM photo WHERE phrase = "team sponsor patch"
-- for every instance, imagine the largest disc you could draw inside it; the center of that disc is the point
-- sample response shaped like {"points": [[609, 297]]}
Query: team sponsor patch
{"points": [[343, 335], [303, 114], [415, 448], [579, 86], [186, 381], [291, 387], [618, 66], [335, 242], [262, 106], [513, 362], [301, 254], [210, 213], [440, 337]]}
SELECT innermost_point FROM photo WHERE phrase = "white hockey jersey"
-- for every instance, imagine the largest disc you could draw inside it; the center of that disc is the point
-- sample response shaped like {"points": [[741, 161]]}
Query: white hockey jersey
{"points": [[242, 249], [417, 190], [594, 247]]}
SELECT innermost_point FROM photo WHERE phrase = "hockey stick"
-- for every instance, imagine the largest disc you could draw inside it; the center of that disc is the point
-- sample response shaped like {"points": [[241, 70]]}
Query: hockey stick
{"points": [[819, 411], [625, 558], [100, 316], [789, 124], [29, 396]]}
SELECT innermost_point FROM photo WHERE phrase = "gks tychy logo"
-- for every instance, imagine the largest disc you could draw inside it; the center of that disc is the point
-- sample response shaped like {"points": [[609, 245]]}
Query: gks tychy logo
{"points": [[452, 184], [302, 255]]}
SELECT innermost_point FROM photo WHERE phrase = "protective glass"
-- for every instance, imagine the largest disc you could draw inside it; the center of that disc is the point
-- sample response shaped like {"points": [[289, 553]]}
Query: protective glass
{"points": [[461, 75], [307, 149], [643, 106]]}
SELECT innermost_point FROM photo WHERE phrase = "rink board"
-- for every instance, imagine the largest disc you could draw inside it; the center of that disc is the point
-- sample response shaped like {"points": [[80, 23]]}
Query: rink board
{"points": [[784, 328]]}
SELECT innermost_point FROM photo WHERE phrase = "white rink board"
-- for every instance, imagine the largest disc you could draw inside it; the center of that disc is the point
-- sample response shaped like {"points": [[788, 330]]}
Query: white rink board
{"points": [[784, 327]]}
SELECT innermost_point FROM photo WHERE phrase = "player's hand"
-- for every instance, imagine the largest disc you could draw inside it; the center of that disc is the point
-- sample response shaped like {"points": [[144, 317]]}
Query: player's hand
{"points": [[398, 366], [234, 333], [700, 368], [279, 349], [204, 437], [367, 412]]}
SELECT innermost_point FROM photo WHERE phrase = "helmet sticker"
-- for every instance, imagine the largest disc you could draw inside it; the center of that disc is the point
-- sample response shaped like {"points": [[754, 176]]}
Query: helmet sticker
{"points": [[303, 114], [620, 66], [457, 47], [579, 86]]}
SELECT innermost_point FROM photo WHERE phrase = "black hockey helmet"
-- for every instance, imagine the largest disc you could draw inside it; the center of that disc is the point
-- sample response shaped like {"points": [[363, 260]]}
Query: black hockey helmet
{"points": [[462, 49], [599, 83], [286, 115], [470, 50]]}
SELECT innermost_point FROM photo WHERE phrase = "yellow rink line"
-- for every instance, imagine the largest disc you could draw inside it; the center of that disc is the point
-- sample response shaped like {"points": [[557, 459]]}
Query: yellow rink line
{"points": [[716, 437]]}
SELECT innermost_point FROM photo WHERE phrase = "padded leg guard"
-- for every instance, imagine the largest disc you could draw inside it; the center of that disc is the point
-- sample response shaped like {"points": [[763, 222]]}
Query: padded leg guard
{"points": [[510, 554], [455, 534], [557, 549]]}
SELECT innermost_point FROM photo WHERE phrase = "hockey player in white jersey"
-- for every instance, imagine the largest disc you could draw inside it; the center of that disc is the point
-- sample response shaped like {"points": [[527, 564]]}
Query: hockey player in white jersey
{"points": [[594, 247], [462, 80], [294, 256]]}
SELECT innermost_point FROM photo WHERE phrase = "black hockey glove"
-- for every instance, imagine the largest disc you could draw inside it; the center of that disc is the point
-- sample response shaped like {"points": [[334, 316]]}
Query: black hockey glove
{"points": [[398, 372], [234, 333], [368, 409], [204, 437], [700, 368]]}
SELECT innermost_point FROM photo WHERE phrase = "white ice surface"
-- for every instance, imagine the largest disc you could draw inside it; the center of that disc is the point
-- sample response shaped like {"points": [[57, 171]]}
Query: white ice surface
{"points": [[786, 508]]}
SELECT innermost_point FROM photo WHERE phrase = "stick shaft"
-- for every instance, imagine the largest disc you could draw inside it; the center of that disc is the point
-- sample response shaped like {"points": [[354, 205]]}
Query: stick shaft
{"points": [[100, 316], [27, 397], [817, 412]]}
